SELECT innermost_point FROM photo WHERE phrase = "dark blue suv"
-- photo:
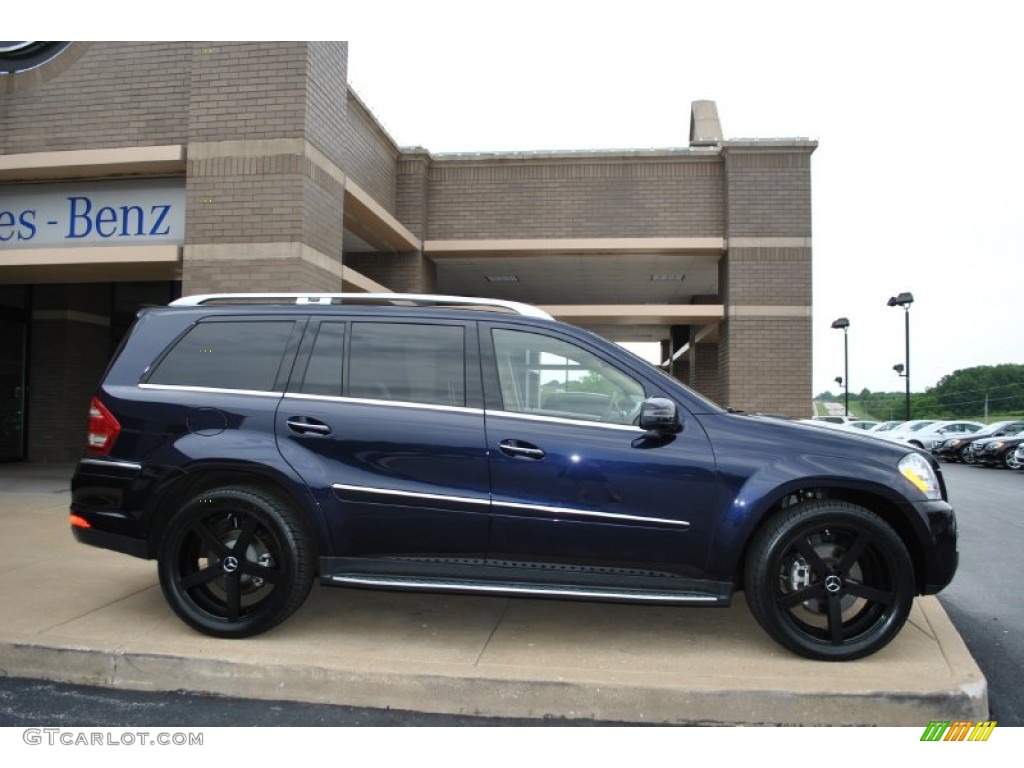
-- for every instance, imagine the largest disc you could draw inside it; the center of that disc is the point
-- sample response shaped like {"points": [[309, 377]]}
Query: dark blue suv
{"points": [[251, 443]]}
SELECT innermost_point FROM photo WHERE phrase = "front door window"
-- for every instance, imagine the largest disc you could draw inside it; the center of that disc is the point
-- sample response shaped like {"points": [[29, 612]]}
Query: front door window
{"points": [[544, 376]]}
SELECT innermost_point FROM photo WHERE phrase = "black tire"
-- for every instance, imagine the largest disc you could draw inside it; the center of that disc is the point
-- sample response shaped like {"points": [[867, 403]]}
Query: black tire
{"points": [[235, 562], [966, 456], [829, 580], [1010, 460]]}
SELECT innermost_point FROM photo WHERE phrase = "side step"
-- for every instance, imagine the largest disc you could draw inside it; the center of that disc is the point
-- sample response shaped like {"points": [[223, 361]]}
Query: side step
{"points": [[522, 589]]}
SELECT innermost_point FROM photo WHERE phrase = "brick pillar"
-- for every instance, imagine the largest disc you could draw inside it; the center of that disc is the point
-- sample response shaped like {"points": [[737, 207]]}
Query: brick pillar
{"points": [[765, 278], [265, 189]]}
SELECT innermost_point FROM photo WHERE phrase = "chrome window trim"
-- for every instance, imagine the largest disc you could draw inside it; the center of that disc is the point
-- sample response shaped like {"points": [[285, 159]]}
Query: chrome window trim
{"points": [[606, 594], [509, 504], [212, 390], [563, 420], [395, 403]]}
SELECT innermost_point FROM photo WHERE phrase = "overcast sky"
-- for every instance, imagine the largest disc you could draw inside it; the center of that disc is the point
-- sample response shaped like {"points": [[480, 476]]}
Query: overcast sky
{"points": [[918, 180]]}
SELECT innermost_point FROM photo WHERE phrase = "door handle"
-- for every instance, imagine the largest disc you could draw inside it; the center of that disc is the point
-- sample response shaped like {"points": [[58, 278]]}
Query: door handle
{"points": [[520, 449], [304, 424]]}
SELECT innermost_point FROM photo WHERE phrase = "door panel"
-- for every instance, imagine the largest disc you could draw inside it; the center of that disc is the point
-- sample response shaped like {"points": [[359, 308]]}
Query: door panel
{"points": [[393, 480], [397, 457], [590, 493]]}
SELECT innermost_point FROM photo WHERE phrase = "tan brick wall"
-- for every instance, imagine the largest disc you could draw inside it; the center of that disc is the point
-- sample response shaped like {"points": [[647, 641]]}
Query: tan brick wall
{"points": [[113, 95], [401, 272], [371, 157], [703, 371], [247, 91], [769, 193], [769, 365], [288, 272], [412, 191], [327, 107], [769, 276], [668, 195]]}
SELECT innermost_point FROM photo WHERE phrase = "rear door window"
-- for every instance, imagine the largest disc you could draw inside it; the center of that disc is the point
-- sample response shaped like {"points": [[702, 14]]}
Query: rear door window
{"points": [[409, 362], [240, 355]]}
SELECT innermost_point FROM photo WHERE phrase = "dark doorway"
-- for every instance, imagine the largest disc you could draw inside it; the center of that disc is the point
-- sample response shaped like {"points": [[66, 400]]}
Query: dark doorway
{"points": [[13, 346]]}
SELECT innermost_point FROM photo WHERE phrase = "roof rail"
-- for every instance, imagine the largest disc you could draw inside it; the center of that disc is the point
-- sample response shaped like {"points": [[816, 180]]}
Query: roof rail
{"points": [[397, 299]]}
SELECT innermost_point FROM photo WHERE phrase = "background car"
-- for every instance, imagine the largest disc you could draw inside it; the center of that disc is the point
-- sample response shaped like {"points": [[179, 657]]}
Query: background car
{"points": [[938, 432], [862, 424], [886, 426], [959, 448], [999, 452], [906, 429]]}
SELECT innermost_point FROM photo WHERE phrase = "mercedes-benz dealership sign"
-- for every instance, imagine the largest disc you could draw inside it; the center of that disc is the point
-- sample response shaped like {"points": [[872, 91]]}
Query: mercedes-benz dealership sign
{"points": [[138, 212]]}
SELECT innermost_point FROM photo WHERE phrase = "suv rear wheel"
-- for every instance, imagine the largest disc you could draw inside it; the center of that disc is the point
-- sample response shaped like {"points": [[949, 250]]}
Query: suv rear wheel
{"points": [[829, 580], [235, 562]]}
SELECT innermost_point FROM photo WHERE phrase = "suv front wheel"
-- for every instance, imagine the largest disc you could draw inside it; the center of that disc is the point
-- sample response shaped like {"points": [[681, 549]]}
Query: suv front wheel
{"points": [[234, 562], [829, 580]]}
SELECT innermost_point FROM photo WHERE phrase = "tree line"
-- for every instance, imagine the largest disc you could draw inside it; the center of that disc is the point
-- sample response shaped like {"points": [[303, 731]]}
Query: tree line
{"points": [[969, 393]]}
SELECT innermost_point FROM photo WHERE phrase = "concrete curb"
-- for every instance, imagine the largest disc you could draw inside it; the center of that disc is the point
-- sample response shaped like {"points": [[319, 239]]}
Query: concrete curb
{"points": [[827, 699], [82, 615]]}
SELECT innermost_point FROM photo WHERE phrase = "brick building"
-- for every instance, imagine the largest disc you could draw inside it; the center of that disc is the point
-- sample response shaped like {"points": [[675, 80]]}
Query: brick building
{"points": [[131, 173]]}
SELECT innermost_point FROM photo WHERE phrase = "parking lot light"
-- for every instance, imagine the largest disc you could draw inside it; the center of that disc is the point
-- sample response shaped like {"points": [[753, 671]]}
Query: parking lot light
{"points": [[844, 324], [904, 300]]}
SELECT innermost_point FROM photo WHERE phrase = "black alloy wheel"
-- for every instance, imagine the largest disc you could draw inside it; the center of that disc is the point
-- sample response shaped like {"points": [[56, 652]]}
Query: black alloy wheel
{"points": [[235, 562], [829, 580]]}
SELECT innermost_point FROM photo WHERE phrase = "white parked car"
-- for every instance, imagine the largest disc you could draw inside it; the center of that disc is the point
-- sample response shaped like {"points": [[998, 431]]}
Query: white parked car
{"points": [[886, 426], [862, 424], [928, 435], [906, 429]]}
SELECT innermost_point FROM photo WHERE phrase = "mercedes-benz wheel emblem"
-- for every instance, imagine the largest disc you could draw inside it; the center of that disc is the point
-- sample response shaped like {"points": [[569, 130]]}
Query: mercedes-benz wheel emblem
{"points": [[230, 564], [833, 583]]}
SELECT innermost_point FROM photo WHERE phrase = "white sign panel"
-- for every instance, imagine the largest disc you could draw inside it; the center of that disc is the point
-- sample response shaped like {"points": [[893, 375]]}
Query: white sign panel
{"points": [[97, 213]]}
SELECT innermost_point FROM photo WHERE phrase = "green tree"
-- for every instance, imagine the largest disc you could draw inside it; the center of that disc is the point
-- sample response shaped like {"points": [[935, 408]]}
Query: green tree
{"points": [[983, 388]]}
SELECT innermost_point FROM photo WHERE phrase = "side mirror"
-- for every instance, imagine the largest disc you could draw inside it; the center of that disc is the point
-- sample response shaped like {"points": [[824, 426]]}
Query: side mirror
{"points": [[660, 415]]}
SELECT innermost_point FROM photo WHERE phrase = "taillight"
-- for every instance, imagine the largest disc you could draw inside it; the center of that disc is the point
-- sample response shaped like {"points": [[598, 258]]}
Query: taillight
{"points": [[103, 429]]}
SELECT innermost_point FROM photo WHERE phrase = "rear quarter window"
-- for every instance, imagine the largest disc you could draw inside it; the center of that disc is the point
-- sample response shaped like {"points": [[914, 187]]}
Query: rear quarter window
{"points": [[226, 355]]}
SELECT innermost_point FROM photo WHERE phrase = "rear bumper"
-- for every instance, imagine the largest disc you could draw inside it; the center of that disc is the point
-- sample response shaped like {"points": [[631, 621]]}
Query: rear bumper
{"points": [[113, 541], [112, 497]]}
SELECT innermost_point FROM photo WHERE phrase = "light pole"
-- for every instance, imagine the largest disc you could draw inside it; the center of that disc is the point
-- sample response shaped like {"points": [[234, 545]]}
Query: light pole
{"points": [[843, 323], [904, 300]]}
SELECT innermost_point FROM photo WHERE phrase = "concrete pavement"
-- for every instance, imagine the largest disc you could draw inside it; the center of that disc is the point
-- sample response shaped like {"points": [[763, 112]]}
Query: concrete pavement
{"points": [[77, 614]]}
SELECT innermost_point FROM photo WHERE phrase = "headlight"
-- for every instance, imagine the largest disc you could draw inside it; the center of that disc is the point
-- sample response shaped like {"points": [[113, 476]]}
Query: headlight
{"points": [[995, 446], [919, 472], [953, 443]]}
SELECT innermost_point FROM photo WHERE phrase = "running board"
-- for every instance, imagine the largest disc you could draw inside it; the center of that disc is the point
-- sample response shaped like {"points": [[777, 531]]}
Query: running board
{"points": [[519, 589]]}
